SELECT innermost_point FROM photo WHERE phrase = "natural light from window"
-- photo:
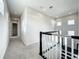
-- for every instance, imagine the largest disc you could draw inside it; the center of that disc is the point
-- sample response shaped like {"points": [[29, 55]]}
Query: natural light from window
{"points": [[71, 33], [1, 7], [71, 22], [59, 23]]}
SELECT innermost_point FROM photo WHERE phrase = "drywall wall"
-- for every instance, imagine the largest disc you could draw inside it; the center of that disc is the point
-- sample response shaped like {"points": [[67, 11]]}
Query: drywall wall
{"points": [[64, 24], [32, 22], [4, 32], [65, 27], [78, 23]]}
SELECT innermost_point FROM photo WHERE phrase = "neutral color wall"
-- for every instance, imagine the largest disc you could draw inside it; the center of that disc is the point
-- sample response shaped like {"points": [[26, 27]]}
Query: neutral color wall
{"points": [[78, 23], [32, 22], [65, 27], [4, 33]]}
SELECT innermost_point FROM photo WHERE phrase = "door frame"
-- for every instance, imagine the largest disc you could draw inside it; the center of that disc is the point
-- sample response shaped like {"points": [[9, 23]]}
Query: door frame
{"points": [[17, 22]]}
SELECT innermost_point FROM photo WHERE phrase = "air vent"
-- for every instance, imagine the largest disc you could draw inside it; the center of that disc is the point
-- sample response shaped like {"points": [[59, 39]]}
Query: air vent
{"points": [[50, 7]]}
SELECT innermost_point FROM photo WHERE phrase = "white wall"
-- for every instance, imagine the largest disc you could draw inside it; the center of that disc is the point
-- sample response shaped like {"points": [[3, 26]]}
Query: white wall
{"points": [[32, 22], [78, 23], [65, 27], [4, 33]]}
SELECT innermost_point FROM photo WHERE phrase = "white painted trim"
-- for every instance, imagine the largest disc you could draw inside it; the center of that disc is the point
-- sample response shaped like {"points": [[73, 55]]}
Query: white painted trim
{"points": [[30, 43], [65, 47], [60, 47], [14, 37], [72, 45]]}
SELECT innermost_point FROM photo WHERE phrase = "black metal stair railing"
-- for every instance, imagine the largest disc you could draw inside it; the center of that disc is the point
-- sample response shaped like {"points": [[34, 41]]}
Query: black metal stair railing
{"points": [[69, 50], [60, 46], [41, 43]]}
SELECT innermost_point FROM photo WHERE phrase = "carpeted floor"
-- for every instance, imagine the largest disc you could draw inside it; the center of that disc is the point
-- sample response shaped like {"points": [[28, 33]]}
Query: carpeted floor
{"points": [[17, 50]]}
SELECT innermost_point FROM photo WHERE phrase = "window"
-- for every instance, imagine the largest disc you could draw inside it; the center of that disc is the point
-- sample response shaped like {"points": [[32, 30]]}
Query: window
{"points": [[71, 33], [59, 23], [71, 22], [1, 7]]}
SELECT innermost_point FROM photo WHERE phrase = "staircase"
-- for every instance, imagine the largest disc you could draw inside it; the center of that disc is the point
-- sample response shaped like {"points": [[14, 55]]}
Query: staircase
{"points": [[56, 46]]}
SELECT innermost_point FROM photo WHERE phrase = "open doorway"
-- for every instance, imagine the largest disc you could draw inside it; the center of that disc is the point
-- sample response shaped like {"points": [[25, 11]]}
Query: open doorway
{"points": [[14, 29]]}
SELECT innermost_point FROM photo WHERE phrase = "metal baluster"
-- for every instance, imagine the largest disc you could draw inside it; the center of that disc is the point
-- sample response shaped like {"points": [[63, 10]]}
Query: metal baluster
{"points": [[48, 38], [60, 47], [56, 46], [65, 47], [47, 46], [45, 43], [51, 52], [72, 48], [43, 47], [78, 51], [50, 48]]}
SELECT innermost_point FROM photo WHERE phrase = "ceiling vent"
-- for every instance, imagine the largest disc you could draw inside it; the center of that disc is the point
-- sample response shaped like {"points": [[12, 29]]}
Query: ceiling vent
{"points": [[50, 7]]}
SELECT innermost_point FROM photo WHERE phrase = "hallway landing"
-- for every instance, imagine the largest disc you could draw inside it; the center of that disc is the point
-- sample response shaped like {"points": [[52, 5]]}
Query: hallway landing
{"points": [[17, 50]]}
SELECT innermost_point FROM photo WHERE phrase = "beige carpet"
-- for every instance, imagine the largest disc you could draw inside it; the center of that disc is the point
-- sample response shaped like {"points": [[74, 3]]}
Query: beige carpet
{"points": [[17, 50]]}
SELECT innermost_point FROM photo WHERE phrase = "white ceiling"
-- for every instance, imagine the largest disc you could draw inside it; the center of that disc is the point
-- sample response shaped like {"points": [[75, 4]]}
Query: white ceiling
{"points": [[60, 7]]}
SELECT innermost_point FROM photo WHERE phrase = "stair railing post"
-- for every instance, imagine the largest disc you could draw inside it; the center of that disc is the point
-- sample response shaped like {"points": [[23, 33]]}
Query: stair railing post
{"points": [[41, 44]]}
